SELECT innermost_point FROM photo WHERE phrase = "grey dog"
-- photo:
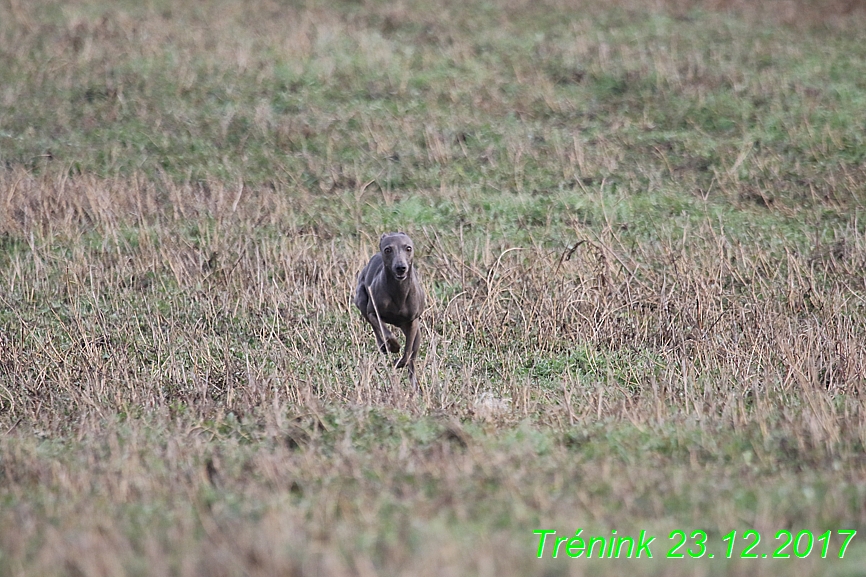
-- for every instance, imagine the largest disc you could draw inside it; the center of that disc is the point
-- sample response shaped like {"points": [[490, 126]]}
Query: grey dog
{"points": [[389, 291]]}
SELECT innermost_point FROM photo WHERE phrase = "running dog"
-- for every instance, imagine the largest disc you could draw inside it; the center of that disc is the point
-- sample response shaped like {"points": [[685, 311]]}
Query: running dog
{"points": [[389, 291]]}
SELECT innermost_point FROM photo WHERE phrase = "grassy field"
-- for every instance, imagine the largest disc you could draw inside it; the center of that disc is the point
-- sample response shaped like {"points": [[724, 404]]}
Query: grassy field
{"points": [[641, 230]]}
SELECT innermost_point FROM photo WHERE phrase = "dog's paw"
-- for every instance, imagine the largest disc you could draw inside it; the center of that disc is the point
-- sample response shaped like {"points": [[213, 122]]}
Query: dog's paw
{"points": [[393, 345]]}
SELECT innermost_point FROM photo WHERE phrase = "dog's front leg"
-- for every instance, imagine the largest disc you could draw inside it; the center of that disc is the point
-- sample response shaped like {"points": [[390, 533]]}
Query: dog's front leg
{"points": [[413, 340], [413, 352], [384, 337]]}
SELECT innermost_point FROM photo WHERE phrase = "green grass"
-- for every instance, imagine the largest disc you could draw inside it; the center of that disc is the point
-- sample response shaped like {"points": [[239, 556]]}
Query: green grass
{"points": [[640, 232]]}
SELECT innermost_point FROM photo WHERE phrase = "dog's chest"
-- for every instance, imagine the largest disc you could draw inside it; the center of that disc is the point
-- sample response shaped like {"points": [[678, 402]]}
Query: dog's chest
{"points": [[398, 309], [394, 312]]}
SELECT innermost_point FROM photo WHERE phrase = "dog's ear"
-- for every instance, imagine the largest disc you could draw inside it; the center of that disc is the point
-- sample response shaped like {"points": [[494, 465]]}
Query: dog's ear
{"points": [[383, 237]]}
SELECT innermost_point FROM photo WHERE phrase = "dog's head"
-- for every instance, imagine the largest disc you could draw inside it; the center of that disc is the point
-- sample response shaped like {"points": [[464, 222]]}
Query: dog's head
{"points": [[397, 250]]}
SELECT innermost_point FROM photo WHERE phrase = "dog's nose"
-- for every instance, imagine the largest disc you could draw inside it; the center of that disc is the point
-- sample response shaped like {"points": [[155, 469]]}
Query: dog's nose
{"points": [[400, 269]]}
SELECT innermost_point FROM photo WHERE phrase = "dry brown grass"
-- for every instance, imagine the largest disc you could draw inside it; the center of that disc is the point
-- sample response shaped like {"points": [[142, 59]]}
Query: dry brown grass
{"points": [[640, 231], [207, 403]]}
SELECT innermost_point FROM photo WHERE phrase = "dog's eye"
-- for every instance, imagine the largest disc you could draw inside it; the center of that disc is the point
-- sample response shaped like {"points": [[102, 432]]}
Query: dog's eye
{"points": [[408, 249], [388, 250]]}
